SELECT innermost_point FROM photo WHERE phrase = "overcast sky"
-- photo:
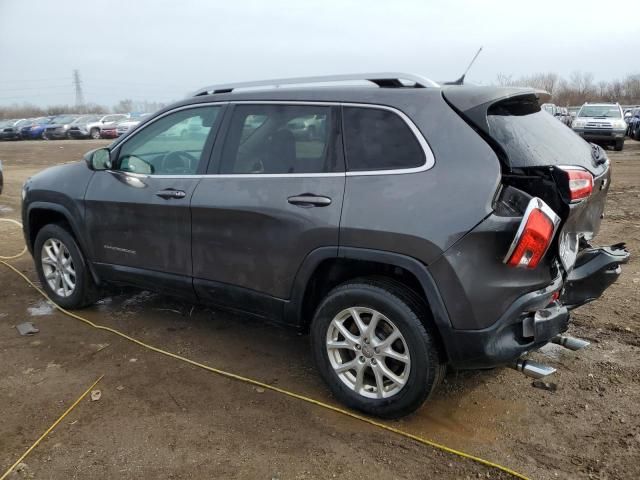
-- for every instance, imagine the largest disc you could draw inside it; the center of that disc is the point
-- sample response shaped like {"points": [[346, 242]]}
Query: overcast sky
{"points": [[160, 50]]}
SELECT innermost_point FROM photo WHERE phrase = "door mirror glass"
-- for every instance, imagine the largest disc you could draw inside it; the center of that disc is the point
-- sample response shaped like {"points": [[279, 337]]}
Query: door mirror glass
{"points": [[99, 159]]}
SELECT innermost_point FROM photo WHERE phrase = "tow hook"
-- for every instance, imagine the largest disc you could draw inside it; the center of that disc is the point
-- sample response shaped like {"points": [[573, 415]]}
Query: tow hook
{"points": [[571, 343], [532, 369]]}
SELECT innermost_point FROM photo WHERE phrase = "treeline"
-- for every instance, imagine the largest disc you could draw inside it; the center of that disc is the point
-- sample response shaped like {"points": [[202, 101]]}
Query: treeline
{"points": [[579, 88], [27, 110]]}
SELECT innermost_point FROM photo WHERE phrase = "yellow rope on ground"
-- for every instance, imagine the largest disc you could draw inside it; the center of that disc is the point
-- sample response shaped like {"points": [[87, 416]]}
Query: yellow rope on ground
{"points": [[24, 250], [48, 431], [282, 391]]}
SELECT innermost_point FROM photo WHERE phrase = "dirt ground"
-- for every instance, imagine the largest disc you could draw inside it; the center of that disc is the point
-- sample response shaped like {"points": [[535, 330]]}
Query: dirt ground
{"points": [[160, 418]]}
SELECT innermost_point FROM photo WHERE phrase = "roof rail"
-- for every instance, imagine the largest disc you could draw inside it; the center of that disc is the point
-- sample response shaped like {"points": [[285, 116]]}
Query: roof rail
{"points": [[388, 79]]}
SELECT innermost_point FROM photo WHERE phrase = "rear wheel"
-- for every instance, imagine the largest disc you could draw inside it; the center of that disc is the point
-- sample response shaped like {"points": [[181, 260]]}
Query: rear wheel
{"points": [[373, 349], [62, 268], [95, 133]]}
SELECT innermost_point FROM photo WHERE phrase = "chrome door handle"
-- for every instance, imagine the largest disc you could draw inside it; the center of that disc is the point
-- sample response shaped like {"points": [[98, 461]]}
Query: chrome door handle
{"points": [[307, 200], [170, 193]]}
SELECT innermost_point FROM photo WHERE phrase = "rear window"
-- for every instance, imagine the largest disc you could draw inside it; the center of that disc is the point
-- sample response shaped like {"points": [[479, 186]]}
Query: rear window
{"points": [[377, 139], [531, 137]]}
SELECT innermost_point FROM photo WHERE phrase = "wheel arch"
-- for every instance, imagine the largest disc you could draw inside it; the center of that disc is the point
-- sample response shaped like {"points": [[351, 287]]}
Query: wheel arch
{"points": [[327, 267], [40, 214]]}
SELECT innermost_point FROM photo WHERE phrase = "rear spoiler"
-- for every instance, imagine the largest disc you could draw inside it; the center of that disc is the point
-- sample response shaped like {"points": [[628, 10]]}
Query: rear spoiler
{"points": [[467, 98]]}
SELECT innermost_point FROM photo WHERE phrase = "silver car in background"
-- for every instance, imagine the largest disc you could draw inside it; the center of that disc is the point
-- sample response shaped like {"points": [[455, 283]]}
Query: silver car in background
{"points": [[129, 124], [601, 123]]}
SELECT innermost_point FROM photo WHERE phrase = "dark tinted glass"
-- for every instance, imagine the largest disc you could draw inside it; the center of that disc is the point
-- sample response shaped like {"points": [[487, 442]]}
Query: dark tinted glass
{"points": [[271, 139], [377, 139], [531, 137]]}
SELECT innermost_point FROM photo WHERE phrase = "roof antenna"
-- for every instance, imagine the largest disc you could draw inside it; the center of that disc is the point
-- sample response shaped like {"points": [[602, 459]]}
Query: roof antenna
{"points": [[460, 81]]}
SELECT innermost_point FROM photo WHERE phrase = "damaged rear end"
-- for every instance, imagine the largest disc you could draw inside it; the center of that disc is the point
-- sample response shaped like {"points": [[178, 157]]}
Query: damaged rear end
{"points": [[533, 259]]}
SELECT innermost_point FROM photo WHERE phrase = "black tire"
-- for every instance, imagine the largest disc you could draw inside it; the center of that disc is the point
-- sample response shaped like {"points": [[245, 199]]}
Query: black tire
{"points": [[43, 136], [85, 292], [619, 145], [411, 317], [95, 133]]}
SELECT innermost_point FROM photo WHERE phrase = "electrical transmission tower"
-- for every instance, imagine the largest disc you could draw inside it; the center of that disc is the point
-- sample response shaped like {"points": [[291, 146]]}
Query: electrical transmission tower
{"points": [[78, 86]]}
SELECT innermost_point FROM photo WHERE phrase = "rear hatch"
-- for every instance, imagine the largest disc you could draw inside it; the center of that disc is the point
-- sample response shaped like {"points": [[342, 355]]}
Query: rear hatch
{"points": [[539, 155]]}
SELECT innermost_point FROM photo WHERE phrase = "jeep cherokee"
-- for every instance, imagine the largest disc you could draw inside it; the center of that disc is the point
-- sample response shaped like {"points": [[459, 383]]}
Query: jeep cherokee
{"points": [[418, 226]]}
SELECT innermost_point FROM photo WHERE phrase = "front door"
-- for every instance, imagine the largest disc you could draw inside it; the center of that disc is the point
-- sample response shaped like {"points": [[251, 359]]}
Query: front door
{"points": [[137, 213], [273, 195]]}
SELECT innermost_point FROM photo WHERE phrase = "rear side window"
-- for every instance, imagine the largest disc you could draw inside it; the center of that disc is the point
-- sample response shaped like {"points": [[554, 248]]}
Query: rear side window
{"points": [[277, 139], [377, 139]]}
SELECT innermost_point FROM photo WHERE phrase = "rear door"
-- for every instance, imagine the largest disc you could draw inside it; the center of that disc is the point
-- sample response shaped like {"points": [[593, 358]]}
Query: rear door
{"points": [[274, 194], [138, 212]]}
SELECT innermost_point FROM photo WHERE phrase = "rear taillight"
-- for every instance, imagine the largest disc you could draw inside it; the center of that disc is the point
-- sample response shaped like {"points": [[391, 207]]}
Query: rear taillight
{"points": [[534, 235], [580, 183]]}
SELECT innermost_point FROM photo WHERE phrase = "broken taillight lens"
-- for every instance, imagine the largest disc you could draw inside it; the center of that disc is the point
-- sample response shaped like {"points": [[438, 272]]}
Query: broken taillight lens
{"points": [[580, 183], [534, 235]]}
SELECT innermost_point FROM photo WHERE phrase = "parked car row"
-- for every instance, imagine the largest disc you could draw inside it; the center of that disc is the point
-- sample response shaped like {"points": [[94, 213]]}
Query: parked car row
{"points": [[69, 126], [561, 113]]}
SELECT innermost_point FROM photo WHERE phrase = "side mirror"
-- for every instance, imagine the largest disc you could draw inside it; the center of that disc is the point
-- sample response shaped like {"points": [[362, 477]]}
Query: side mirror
{"points": [[99, 159]]}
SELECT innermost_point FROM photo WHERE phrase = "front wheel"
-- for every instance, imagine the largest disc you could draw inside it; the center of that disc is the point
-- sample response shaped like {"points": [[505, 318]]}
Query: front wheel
{"points": [[619, 145], [62, 268], [95, 133], [373, 349]]}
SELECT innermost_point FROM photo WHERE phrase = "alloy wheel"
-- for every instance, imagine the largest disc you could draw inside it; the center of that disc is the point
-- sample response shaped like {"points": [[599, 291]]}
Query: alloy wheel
{"points": [[368, 352], [58, 268]]}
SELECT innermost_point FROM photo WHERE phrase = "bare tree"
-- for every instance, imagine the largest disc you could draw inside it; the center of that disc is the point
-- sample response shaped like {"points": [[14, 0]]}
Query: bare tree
{"points": [[123, 106], [504, 80], [602, 88]]}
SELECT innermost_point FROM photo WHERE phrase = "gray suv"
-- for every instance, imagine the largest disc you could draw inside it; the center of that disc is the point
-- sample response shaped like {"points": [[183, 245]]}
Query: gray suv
{"points": [[415, 227]]}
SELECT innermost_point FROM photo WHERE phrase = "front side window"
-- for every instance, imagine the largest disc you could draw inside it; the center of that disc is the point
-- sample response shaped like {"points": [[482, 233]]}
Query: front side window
{"points": [[377, 139], [276, 139], [172, 145]]}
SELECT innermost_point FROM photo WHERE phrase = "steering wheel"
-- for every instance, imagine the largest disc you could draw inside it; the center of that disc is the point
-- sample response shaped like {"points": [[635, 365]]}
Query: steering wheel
{"points": [[178, 162]]}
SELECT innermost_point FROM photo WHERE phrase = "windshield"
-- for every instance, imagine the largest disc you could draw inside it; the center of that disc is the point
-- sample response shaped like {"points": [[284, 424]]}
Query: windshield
{"points": [[63, 119], [603, 111]]}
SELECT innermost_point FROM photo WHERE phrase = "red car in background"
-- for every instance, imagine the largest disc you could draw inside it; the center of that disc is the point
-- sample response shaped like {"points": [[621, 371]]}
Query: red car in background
{"points": [[109, 131]]}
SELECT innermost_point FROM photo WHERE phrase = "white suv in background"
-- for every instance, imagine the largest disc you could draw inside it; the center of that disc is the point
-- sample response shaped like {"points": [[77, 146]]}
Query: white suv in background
{"points": [[601, 123], [91, 128]]}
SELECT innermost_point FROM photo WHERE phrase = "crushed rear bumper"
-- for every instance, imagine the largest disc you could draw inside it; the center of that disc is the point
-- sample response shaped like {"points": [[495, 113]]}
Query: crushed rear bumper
{"points": [[536, 317], [594, 271]]}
